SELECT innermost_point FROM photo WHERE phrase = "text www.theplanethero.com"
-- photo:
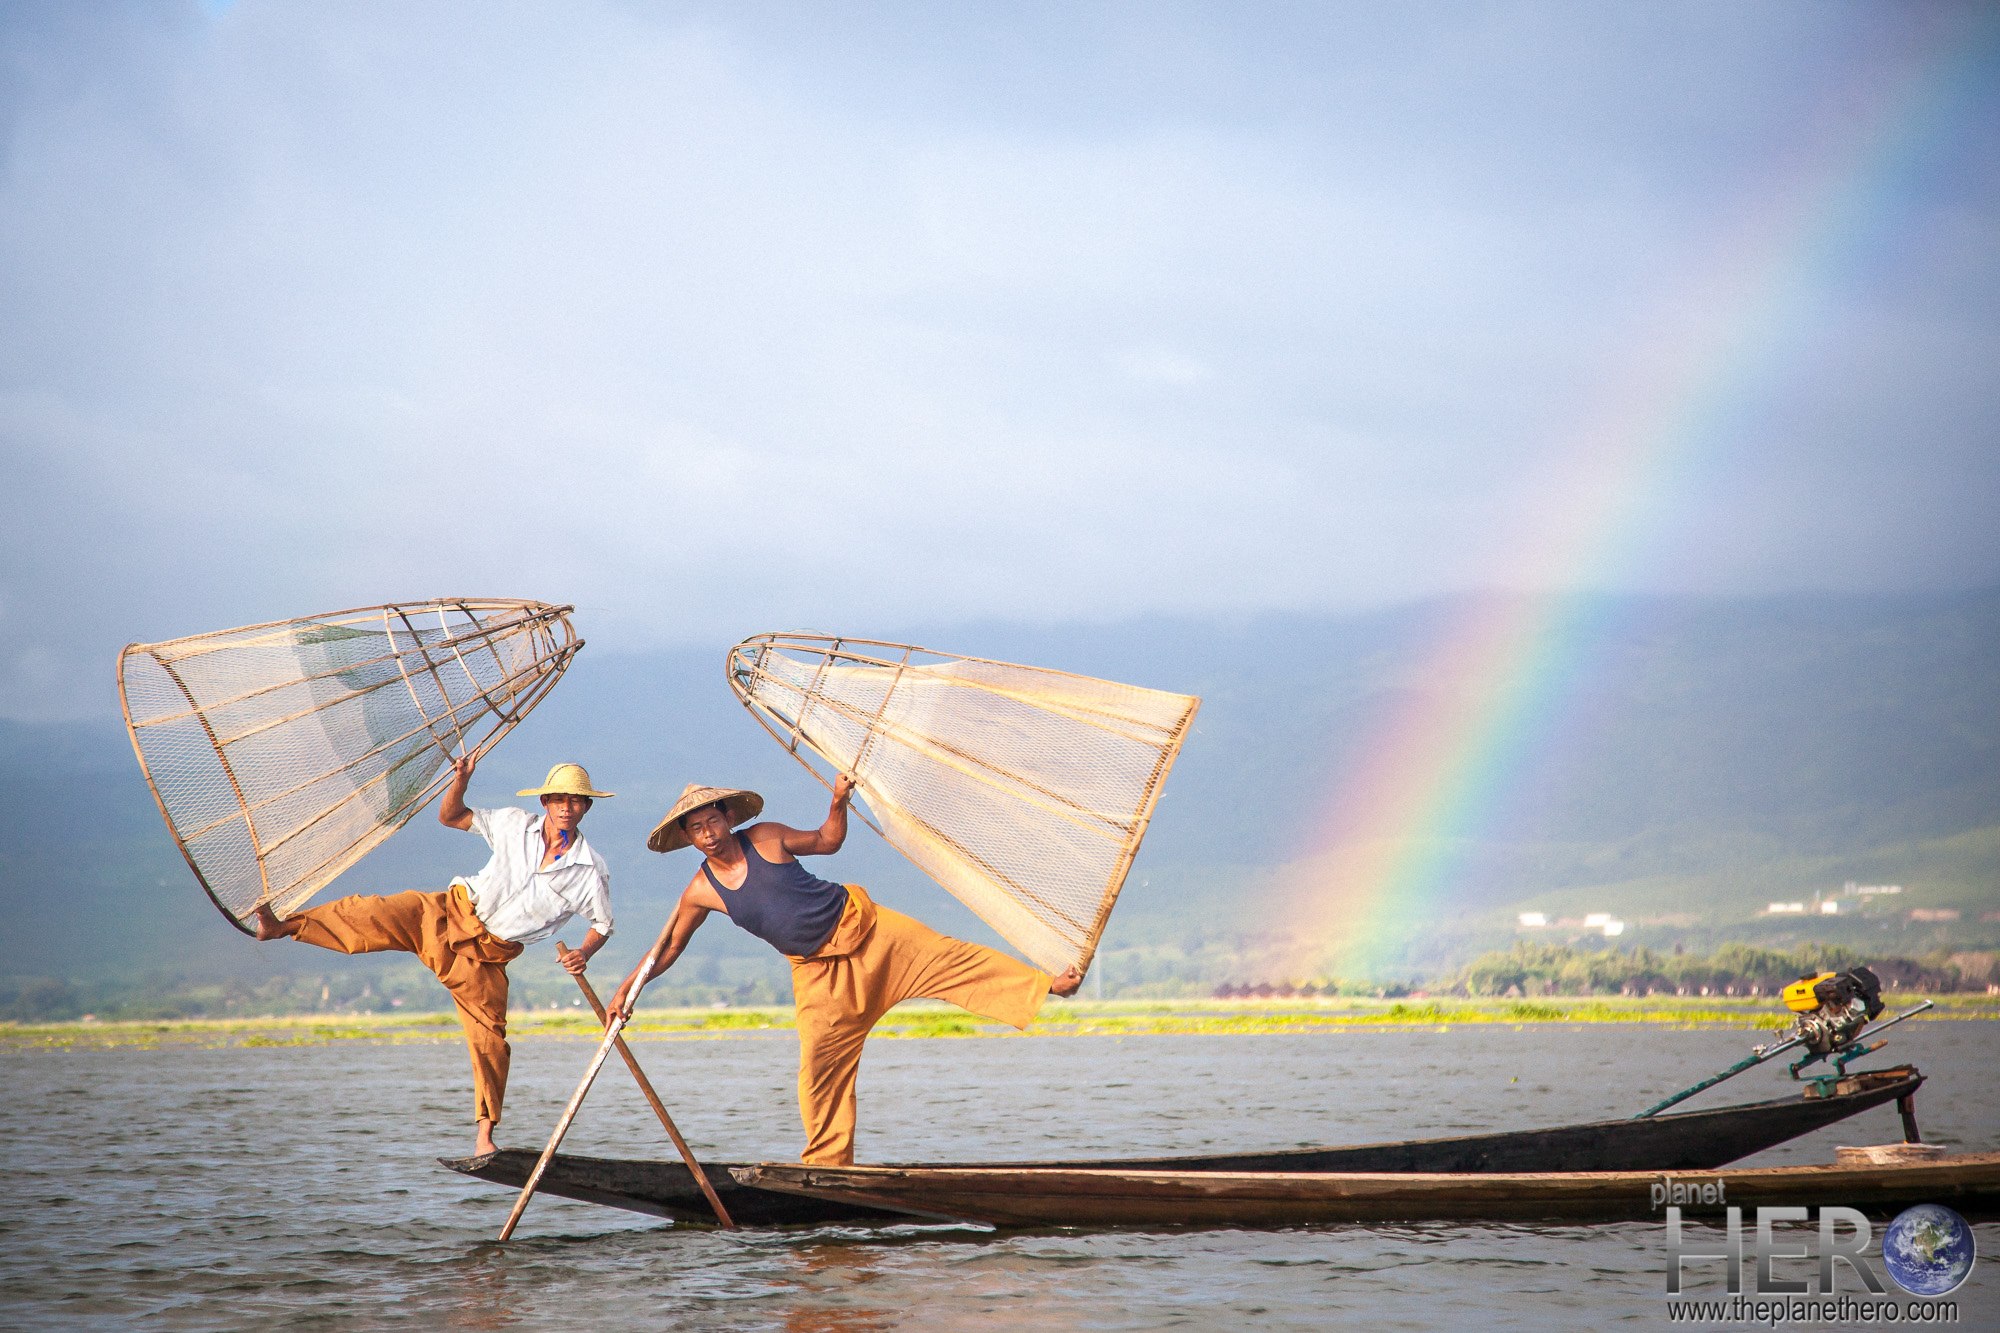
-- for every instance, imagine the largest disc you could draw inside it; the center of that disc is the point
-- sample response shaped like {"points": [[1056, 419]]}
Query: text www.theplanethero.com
{"points": [[1774, 1310]]}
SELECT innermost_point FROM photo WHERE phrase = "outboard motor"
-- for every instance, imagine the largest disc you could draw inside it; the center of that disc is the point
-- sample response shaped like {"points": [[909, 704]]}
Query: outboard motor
{"points": [[1832, 1007], [1836, 1013]]}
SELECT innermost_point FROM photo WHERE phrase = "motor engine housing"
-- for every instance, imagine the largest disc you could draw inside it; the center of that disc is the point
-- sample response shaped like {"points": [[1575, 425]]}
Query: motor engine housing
{"points": [[1833, 1006]]}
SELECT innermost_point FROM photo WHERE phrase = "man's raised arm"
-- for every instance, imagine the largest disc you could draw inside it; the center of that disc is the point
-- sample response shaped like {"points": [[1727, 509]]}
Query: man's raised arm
{"points": [[453, 812], [828, 837]]}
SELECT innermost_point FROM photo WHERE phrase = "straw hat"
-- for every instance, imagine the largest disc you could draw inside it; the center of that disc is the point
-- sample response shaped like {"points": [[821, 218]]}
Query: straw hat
{"points": [[740, 806], [565, 780]]}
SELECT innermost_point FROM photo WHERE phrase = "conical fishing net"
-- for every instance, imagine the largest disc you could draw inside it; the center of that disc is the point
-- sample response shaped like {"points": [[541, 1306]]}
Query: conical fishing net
{"points": [[1023, 792], [282, 753]]}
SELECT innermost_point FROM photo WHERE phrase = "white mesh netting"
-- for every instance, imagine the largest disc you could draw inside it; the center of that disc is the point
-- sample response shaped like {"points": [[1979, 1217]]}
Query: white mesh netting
{"points": [[282, 753], [1023, 792]]}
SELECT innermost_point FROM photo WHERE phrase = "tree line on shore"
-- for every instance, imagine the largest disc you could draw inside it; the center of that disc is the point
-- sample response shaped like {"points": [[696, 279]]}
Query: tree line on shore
{"points": [[1530, 969], [407, 988], [1526, 970]]}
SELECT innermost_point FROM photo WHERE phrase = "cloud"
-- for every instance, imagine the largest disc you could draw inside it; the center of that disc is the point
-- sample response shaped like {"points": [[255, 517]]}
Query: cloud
{"points": [[715, 319]]}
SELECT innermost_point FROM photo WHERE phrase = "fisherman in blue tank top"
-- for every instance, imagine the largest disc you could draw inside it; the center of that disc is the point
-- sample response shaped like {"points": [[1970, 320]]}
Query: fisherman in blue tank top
{"points": [[852, 960]]}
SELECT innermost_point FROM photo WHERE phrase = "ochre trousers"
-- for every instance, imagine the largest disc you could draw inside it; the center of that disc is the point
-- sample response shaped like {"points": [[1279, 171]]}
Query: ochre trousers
{"points": [[875, 959], [441, 929]]}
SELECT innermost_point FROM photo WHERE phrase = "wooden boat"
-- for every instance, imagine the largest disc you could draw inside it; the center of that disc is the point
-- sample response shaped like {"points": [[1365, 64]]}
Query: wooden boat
{"points": [[1051, 1197], [1687, 1141]]}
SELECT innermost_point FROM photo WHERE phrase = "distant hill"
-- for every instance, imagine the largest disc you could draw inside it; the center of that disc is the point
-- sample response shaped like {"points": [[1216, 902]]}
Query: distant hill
{"points": [[1715, 753]]}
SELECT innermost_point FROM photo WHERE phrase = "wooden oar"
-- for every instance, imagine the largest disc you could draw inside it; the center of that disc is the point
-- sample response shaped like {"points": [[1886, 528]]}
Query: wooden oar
{"points": [[611, 1031], [659, 1108]]}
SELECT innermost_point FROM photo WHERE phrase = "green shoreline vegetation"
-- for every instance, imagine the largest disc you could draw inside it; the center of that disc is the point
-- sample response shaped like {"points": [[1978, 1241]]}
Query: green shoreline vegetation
{"points": [[1094, 1018], [1528, 971]]}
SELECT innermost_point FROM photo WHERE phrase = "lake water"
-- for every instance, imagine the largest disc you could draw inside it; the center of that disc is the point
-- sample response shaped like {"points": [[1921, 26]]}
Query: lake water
{"points": [[248, 1188]]}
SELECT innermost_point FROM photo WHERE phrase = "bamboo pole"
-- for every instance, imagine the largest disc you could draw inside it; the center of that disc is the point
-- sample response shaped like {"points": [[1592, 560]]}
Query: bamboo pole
{"points": [[562, 1127], [612, 1028], [659, 1108]]}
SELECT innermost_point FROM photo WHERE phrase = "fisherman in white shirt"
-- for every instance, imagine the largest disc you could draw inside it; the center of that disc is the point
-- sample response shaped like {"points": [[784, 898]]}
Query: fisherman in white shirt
{"points": [[540, 875]]}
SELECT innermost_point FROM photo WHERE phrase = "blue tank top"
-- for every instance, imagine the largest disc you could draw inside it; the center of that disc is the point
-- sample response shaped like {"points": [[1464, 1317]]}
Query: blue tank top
{"points": [[783, 905]]}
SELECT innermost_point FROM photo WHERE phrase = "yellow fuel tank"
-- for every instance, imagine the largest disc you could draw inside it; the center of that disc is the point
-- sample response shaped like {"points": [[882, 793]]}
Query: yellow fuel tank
{"points": [[1799, 997]]}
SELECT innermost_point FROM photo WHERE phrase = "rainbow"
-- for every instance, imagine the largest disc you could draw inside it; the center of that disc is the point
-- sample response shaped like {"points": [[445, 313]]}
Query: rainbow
{"points": [[1386, 848]]}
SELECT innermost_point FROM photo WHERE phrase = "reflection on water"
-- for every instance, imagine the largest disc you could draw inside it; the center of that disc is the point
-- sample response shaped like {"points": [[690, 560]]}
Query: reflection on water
{"points": [[831, 1282], [253, 1187]]}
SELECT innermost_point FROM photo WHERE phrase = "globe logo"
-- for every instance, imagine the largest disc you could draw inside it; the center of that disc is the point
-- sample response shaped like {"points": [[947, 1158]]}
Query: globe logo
{"points": [[1928, 1249]]}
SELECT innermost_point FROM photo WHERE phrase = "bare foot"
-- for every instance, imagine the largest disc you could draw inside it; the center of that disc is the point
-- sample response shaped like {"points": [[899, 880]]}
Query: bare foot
{"points": [[482, 1142], [1066, 984], [268, 925]]}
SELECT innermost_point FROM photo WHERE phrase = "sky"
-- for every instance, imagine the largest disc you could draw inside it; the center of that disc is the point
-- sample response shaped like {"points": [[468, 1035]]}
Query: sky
{"points": [[712, 319]]}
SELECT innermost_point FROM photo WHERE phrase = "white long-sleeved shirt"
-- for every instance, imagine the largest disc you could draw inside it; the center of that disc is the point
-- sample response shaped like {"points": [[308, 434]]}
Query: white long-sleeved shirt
{"points": [[519, 899]]}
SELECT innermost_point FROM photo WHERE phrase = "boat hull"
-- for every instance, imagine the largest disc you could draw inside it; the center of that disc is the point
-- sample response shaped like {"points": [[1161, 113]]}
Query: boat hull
{"points": [[1688, 1141], [1045, 1197]]}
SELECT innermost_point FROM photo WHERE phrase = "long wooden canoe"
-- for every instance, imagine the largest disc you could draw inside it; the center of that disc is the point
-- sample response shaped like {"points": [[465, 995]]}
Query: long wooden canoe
{"points": [[1690, 1140], [1053, 1197]]}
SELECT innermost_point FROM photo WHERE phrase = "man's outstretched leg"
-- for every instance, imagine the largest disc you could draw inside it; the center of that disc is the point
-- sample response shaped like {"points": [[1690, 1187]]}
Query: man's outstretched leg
{"points": [[440, 930], [917, 961]]}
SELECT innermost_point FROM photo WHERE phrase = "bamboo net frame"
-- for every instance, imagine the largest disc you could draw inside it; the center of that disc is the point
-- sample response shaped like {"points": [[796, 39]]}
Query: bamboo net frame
{"points": [[1024, 792], [282, 753]]}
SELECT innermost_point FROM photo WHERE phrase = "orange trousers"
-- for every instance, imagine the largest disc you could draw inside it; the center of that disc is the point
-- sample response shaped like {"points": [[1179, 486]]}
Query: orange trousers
{"points": [[875, 959], [442, 930]]}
